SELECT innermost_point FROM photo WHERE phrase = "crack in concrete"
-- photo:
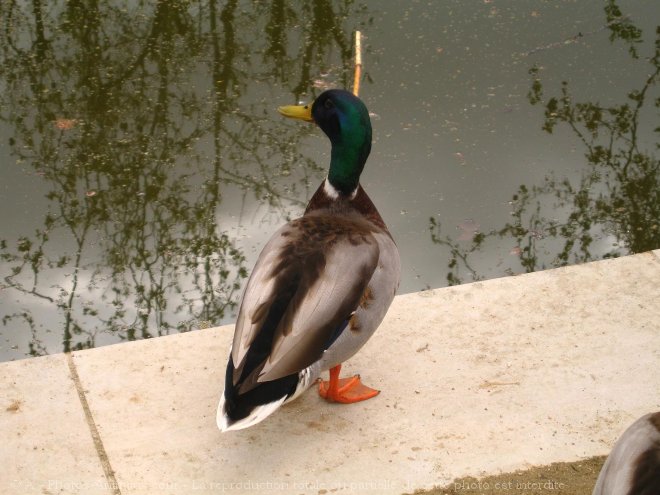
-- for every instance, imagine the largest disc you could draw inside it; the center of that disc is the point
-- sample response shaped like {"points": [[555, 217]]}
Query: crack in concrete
{"points": [[96, 437]]}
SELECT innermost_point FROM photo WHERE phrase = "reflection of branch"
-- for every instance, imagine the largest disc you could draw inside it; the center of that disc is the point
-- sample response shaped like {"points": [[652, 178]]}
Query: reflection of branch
{"points": [[68, 307], [577, 37], [322, 27], [39, 28], [19, 288], [618, 194], [168, 18], [639, 98], [245, 180], [33, 257], [456, 254], [276, 30], [124, 180]]}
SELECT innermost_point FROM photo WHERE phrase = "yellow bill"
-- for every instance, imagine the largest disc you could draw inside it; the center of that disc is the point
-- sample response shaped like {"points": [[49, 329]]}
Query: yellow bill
{"points": [[302, 112]]}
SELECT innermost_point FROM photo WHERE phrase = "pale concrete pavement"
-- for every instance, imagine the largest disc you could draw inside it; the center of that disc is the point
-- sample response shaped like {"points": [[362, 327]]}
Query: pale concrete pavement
{"points": [[475, 379]]}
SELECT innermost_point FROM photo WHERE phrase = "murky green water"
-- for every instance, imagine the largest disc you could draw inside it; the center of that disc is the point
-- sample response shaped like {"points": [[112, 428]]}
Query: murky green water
{"points": [[144, 163]]}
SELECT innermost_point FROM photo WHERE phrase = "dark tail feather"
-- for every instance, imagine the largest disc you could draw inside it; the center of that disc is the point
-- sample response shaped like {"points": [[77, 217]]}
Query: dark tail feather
{"points": [[239, 406]]}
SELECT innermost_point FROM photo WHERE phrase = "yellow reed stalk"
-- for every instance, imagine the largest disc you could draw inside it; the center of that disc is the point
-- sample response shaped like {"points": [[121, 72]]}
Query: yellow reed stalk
{"points": [[357, 75]]}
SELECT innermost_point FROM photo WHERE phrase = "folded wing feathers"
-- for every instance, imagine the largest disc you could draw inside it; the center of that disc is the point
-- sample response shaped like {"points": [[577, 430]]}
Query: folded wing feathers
{"points": [[258, 295], [330, 281], [315, 313]]}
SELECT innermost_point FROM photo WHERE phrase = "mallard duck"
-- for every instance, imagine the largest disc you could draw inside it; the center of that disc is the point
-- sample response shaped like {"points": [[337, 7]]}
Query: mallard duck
{"points": [[321, 285], [633, 466]]}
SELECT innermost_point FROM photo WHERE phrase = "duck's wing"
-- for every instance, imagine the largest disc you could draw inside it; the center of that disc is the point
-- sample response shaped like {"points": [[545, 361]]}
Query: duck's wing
{"points": [[307, 281]]}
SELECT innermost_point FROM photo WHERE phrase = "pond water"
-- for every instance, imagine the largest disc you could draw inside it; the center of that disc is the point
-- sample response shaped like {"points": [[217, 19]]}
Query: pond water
{"points": [[144, 164]]}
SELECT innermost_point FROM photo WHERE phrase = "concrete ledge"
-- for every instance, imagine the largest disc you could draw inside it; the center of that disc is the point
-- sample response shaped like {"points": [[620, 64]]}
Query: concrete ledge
{"points": [[47, 444], [476, 379]]}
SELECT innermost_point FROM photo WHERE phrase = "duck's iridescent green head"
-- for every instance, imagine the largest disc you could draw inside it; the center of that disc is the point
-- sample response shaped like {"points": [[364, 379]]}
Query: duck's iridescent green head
{"points": [[345, 120]]}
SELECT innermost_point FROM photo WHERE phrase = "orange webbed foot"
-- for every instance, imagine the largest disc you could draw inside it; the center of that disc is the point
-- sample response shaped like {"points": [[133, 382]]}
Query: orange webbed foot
{"points": [[345, 390]]}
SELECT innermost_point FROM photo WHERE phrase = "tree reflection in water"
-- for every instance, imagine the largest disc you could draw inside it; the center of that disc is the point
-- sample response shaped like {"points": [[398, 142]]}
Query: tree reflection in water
{"points": [[138, 123], [615, 203]]}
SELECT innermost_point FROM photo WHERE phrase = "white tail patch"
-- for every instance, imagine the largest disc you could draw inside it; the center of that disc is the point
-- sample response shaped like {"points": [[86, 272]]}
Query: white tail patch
{"points": [[306, 378], [257, 415]]}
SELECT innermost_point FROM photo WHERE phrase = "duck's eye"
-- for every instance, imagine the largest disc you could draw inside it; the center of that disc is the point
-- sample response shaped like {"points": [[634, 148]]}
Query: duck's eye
{"points": [[328, 104]]}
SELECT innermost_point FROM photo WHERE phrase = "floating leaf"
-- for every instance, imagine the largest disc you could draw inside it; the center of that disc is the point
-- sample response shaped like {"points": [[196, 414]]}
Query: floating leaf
{"points": [[65, 124]]}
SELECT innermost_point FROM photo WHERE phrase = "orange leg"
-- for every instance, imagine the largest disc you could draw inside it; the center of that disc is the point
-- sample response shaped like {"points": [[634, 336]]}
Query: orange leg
{"points": [[345, 390]]}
